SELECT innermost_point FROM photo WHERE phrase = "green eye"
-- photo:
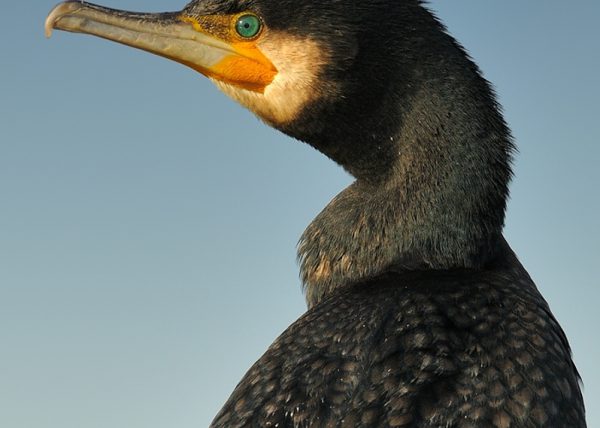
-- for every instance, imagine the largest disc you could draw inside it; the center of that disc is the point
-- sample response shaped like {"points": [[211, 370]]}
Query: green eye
{"points": [[248, 26]]}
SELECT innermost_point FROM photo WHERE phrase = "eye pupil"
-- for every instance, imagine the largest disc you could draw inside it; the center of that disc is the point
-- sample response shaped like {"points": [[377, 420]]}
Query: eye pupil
{"points": [[248, 26]]}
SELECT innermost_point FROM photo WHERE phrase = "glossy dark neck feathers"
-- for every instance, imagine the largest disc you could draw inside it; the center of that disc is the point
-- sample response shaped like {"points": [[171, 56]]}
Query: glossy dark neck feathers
{"points": [[419, 128]]}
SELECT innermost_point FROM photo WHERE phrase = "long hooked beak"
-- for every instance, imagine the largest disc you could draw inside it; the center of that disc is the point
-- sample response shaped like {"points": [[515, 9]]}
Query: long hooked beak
{"points": [[172, 35]]}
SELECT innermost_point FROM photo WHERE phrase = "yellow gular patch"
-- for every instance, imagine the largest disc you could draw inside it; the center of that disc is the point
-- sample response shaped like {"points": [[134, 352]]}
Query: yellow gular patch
{"points": [[242, 64], [249, 69], [299, 62]]}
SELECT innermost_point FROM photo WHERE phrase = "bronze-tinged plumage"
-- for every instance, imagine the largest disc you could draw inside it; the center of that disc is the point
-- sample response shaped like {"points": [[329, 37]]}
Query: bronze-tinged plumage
{"points": [[420, 315], [417, 349]]}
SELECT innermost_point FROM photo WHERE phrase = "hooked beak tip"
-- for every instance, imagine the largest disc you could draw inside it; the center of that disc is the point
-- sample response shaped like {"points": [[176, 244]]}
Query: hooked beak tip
{"points": [[57, 13]]}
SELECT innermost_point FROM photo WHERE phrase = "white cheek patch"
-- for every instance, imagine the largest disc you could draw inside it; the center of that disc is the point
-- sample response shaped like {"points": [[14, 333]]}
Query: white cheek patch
{"points": [[299, 62]]}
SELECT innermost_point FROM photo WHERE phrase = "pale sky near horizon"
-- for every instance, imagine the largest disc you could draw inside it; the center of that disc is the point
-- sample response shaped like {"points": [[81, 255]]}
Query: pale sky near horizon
{"points": [[148, 224]]}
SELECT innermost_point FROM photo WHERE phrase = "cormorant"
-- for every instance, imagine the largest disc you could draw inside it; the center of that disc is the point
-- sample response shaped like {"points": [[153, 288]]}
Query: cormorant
{"points": [[420, 314]]}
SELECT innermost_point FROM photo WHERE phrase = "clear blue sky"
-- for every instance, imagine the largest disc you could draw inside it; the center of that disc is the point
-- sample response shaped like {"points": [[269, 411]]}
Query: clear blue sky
{"points": [[148, 224]]}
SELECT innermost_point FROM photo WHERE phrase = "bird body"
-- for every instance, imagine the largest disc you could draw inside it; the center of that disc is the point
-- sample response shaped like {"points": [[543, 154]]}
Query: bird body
{"points": [[420, 349], [420, 315]]}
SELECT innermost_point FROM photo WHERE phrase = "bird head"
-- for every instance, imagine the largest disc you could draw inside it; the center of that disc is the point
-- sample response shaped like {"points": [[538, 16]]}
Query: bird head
{"points": [[268, 55]]}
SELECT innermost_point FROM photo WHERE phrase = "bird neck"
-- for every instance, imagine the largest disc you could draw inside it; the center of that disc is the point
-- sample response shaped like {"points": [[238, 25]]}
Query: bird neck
{"points": [[432, 166]]}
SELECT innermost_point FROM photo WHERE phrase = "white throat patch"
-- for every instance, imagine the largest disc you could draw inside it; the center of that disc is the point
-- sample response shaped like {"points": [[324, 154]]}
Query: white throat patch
{"points": [[299, 62]]}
